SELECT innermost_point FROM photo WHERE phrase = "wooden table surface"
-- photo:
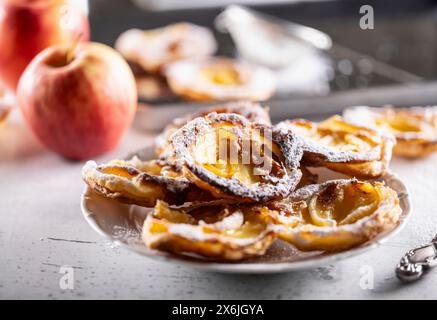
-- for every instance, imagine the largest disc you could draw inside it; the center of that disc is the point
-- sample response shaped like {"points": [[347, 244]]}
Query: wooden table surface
{"points": [[42, 230]]}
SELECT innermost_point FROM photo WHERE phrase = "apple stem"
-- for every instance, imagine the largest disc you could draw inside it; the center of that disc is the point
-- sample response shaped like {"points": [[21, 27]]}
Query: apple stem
{"points": [[72, 49]]}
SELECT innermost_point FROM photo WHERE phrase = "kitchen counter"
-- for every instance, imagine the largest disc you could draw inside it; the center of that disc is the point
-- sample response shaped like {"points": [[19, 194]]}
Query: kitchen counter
{"points": [[42, 230]]}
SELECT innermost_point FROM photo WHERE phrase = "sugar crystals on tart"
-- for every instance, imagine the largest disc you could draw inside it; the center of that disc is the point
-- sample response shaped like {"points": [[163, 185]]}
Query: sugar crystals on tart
{"points": [[415, 128], [343, 147], [153, 49], [220, 79], [233, 158], [218, 232], [252, 111], [336, 215], [141, 182]]}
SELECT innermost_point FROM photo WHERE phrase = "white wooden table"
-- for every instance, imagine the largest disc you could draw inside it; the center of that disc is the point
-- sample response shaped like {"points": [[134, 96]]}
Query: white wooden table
{"points": [[42, 229]]}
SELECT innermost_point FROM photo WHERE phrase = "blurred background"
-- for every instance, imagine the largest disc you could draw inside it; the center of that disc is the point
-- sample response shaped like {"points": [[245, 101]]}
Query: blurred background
{"points": [[335, 64], [372, 67], [322, 59]]}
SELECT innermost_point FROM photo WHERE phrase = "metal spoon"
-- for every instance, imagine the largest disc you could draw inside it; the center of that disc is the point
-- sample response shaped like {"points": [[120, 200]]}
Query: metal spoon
{"points": [[417, 261]]}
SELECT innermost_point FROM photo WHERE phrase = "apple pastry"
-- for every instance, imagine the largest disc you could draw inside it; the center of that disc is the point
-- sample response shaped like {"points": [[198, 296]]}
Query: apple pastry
{"points": [[252, 111], [218, 232], [227, 184], [153, 49], [153, 88], [415, 128], [141, 182], [220, 79], [233, 158], [343, 147], [335, 215]]}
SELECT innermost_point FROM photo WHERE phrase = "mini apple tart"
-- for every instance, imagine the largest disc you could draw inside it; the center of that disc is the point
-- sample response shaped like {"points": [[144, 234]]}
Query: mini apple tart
{"points": [[343, 147], [232, 158], [335, 215], [415, 128], [153, 49], [152, 88], [220, 79], [218, 232], [141, 182], [252, 111]]}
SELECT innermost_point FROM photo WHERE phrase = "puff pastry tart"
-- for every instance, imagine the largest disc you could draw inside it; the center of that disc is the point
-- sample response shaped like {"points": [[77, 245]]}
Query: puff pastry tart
{"points": [[343, 147], [152, 49], [335, 215], [252, 111], [141, 182], [220, 79], [233, 158], [415, 128], [219, 232]]}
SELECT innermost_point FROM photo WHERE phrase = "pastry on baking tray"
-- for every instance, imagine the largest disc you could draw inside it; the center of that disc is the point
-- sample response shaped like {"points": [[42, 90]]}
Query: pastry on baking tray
{"points": [[343, 147], [415, 128], [335, 215], [220, 79], [152, 88], [233, 158], [219, 232], [141, 182], [252, 111], [153, 49]]}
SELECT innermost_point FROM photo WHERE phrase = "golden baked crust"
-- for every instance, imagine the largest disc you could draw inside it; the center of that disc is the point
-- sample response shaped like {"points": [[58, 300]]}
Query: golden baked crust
{"points": [[141, 182], [343, 147], [332, 216], [220, 79], [335, 215], [153, 49], [415, 128], [220, 232], [233, 158], [252, 111]]}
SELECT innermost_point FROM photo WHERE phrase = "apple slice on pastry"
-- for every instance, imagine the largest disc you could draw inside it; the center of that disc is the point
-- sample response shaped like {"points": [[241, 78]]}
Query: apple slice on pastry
{"points": [[217, 232], [343, 147], [141, 182], [415, 128], [335, 215], [232, 158]]}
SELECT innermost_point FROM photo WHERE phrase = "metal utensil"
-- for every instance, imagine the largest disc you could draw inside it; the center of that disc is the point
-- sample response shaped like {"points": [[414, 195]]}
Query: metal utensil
{"points": [[275, 42], [417, 261]]}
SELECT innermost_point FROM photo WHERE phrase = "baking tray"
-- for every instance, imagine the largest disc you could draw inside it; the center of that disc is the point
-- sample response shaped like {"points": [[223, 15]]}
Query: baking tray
{"points": [[405, 37]]}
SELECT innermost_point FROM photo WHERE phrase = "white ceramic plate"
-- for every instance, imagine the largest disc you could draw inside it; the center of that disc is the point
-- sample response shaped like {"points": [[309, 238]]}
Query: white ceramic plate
{"points": [[122, 224]]}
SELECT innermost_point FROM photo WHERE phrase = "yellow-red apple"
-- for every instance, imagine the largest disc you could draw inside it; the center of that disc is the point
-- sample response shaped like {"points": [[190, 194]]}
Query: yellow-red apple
{"points": [[29, 26], [78, 100]]}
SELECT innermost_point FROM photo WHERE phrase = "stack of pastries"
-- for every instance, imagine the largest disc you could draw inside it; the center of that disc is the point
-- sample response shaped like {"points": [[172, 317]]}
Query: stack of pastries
{"points": [[226, 184]]}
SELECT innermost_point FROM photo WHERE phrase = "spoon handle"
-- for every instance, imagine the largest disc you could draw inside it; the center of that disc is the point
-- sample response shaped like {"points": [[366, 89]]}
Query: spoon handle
{"points": [[417, 261]]}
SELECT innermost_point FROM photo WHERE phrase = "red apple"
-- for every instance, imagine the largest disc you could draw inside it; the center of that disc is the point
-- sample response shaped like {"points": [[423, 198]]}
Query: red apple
{"points": [[29, 26], [78, 101]]}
